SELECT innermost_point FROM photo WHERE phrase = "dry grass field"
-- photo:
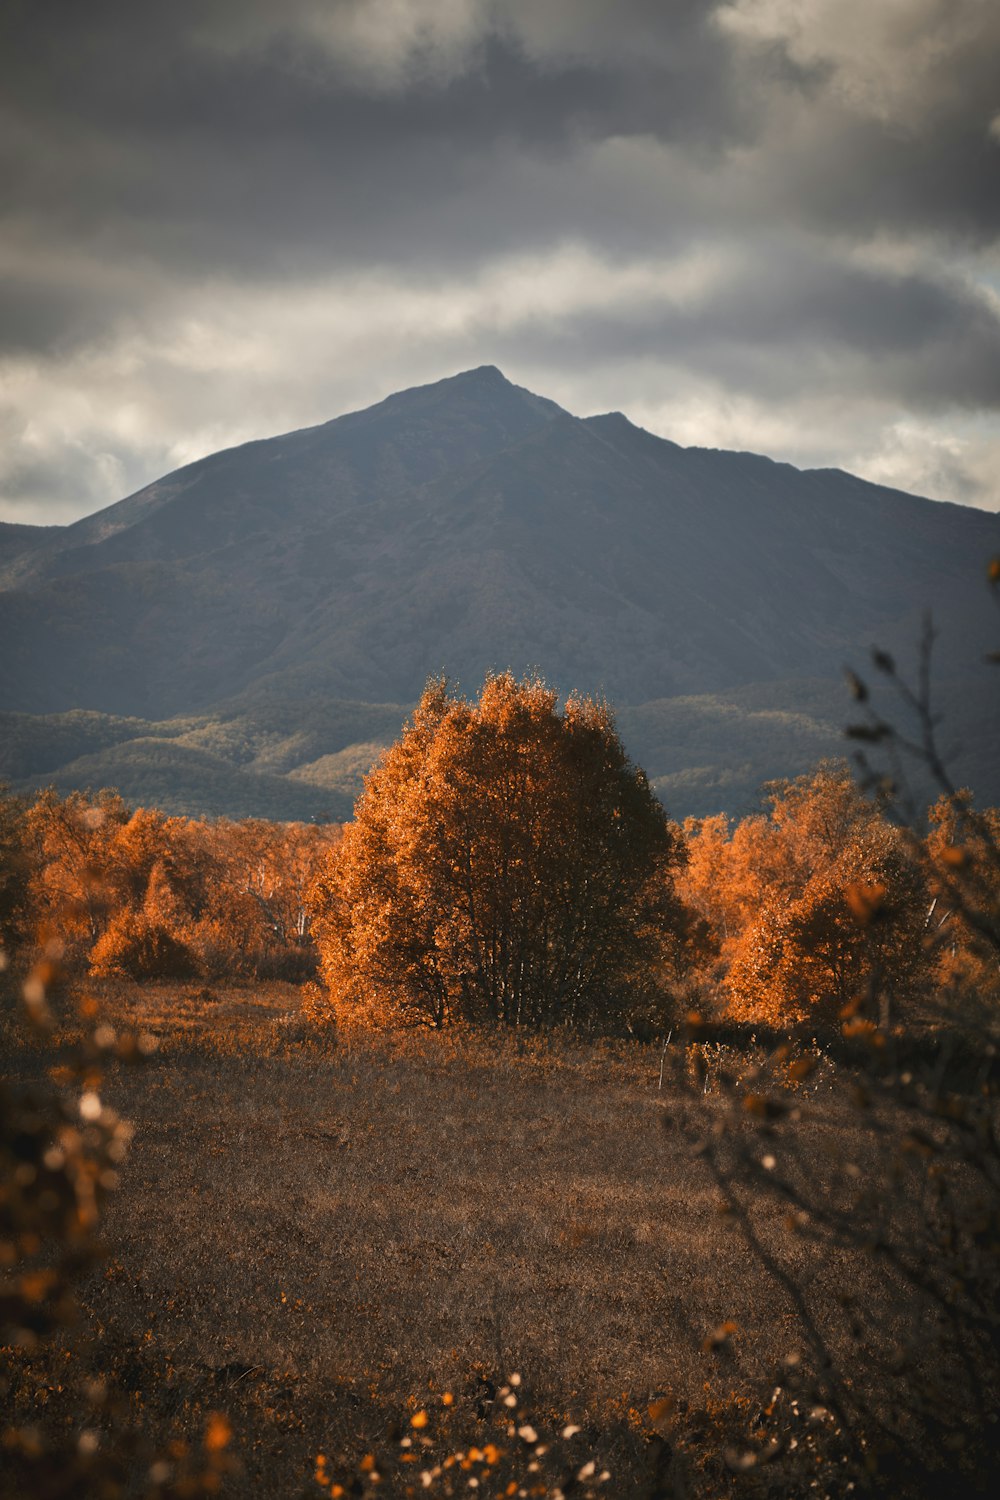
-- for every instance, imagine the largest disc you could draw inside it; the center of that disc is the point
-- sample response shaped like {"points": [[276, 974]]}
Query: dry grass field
{"points": [[320, 1238]]}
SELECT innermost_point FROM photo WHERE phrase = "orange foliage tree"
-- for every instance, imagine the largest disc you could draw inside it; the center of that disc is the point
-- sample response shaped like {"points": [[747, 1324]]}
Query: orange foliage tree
{"points": [[507, 862], [93, 860], [139, 894], [244, 885], [70, 841], [146, 934], [814, 902]]}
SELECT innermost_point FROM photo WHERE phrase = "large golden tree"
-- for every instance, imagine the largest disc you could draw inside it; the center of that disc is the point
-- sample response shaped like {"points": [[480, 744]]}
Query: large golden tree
{"points": [[506, 862]]}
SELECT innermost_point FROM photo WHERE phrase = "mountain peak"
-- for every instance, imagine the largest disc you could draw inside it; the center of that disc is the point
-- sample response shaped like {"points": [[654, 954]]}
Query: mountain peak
{"points": [[482, 397], [483, 387], [484, 381], [483, 375]]}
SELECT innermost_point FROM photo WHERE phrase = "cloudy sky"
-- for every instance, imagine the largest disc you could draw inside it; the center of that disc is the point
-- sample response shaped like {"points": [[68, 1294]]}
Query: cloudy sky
{"points": [[763, 224]]}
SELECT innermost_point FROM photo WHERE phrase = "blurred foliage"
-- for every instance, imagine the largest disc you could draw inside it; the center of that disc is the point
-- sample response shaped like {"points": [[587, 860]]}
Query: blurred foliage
{"points": [[897, 1392], [61, 1151], [512, 1453]]}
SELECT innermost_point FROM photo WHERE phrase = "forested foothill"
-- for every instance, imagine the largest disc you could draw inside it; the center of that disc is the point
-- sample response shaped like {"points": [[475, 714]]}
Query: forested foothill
{"points": [[511, 1133]]}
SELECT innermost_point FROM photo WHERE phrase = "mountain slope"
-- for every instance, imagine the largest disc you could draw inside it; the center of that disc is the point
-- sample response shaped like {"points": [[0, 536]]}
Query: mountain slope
{"points": [[471, 525]]}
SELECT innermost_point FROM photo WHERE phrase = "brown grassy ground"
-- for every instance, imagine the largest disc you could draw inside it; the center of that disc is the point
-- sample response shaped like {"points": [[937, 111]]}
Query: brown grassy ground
{"points": [[317, 1238]]}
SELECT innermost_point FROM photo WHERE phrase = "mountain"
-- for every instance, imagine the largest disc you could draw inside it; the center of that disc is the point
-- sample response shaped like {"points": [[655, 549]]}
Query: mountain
{"points": [[239, 635], [16, 539]]}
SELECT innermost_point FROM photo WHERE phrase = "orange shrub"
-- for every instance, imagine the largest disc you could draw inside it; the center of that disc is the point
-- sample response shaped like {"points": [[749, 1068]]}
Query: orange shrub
{"points": [[137, 948]]}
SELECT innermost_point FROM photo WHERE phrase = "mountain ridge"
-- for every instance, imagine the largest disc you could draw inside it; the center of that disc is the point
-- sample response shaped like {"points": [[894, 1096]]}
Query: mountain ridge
{"points": [[472, 525]]}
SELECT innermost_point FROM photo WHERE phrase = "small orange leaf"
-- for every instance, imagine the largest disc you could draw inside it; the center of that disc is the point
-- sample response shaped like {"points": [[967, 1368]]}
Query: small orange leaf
{"points": [[218, 1432]]}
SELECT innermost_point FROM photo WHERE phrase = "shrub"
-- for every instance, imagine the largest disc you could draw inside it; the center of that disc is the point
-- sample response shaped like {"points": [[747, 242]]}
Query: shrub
{"points": [[134, 946]]}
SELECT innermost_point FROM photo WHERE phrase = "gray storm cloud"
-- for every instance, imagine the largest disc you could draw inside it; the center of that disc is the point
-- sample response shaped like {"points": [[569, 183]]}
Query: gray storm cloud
{"points": [[770, 224]]}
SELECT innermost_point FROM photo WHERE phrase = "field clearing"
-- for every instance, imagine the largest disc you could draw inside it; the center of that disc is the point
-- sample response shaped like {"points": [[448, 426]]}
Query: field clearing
{"points": [[316, 1237]]}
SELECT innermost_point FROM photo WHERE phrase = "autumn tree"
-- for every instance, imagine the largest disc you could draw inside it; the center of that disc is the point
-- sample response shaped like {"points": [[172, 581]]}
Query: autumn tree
{"points": [[244, 887], [728, 867], [506, 862], [817, 899], [77, 878], [138, 894]]}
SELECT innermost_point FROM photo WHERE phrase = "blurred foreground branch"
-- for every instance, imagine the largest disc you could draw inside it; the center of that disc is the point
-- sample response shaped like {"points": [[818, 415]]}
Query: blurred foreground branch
{"points": [[885, 1249]]}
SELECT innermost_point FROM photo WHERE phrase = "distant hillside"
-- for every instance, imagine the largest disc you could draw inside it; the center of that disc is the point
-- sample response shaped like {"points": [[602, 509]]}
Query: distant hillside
{"points": [[243, 632], [235, 765], [702, 748], [16, 539]]}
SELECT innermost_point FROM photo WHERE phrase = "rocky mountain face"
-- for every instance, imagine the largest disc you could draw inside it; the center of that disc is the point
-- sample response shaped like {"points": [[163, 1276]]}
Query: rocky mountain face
{"points": [[302, 588]]}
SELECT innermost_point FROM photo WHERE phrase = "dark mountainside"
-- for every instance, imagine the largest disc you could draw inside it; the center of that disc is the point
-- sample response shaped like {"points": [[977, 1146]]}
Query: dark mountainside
{"points": [[239, 636]]}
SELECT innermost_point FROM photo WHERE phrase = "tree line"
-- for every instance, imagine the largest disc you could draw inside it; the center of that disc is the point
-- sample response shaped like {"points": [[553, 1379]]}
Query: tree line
{"points": [[507, 862], [820, 901], [133, 893]]}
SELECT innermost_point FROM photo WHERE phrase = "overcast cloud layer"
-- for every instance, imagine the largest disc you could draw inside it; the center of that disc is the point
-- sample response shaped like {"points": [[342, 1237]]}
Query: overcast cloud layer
{"points": [[766, 224]]}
